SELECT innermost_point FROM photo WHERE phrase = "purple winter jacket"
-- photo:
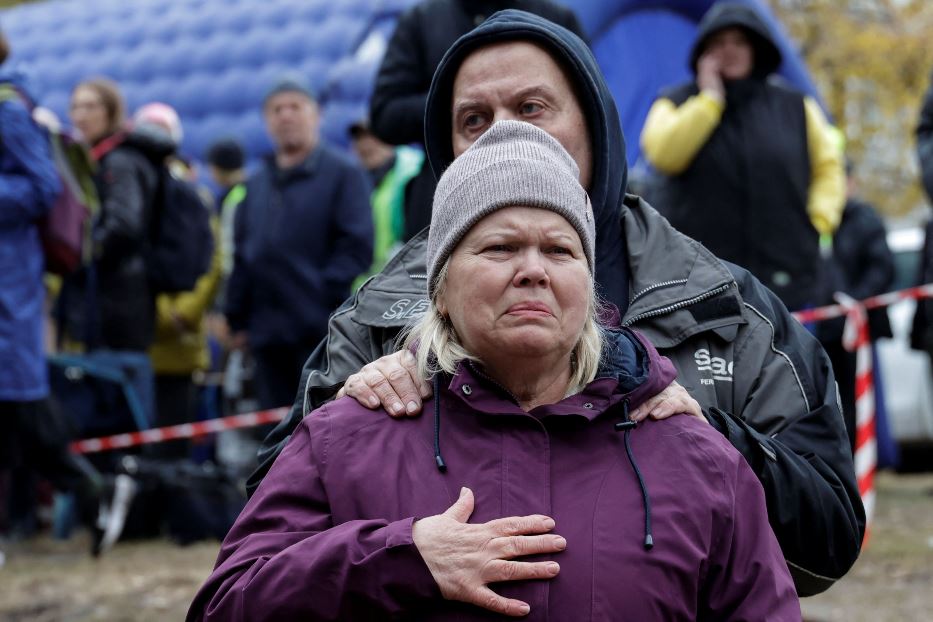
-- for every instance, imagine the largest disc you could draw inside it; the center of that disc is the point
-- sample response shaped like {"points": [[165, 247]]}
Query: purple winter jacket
{"points": [[327, 536]]}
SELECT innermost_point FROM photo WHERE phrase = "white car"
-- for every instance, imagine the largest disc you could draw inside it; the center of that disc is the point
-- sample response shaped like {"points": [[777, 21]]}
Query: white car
{"points": [[906, 373]]}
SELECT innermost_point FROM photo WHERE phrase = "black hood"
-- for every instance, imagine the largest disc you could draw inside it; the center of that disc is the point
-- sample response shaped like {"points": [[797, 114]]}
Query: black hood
{"points": [[151, 140], [736, 15], [610, 172]]}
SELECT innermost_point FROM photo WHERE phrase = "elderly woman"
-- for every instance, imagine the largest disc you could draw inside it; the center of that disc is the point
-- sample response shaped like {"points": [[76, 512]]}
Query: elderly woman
{"points": [[529, 492]]}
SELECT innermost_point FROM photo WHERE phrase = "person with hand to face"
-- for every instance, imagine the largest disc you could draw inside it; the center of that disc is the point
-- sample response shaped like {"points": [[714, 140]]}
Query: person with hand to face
{"points": [[528, 493], [727, 56], [748, 166]]}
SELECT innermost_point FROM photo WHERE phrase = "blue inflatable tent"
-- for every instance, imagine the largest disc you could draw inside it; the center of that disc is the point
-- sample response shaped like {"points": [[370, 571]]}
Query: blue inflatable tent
{"points": [[213, 59]]}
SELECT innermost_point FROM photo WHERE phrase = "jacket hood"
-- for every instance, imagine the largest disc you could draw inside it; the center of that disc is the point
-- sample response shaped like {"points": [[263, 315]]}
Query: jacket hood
{"points": [[610, 172], [484, 6], [736, 15], [151, 140]]}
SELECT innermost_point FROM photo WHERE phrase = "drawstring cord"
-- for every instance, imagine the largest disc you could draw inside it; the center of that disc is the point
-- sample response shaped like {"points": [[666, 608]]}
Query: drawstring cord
{"points": [[627, 426], [441, 465]]}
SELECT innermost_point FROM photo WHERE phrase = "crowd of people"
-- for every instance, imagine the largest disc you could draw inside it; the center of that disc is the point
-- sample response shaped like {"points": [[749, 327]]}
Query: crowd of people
{"points": [[277, 264], [505, 281]]}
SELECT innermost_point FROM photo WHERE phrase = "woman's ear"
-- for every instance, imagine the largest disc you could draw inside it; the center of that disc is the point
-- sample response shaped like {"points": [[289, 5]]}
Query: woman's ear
{"points": [[441, 305]]}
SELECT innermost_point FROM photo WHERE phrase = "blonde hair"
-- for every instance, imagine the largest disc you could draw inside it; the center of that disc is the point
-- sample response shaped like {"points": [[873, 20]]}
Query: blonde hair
{"points": [[438, 348]]}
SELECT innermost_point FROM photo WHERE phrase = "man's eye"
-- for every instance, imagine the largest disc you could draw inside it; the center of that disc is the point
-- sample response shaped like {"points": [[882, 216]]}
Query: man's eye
{"points": [[472, 121], [497, 248], [529, 108]]}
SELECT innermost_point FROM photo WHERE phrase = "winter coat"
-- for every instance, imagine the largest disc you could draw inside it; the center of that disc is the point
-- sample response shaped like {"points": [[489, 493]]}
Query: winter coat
{"points": [[864, 267], [28, 186], [921, 333], [921, 337], [113, 306], [735, 346], [924, 134], [328, 535], [422, 35], [753, 196], [300, 238]]}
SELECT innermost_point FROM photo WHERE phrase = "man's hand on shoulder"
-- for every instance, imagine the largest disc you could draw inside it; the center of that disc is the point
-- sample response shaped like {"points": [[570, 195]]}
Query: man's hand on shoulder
{"points": [[391, 382]]}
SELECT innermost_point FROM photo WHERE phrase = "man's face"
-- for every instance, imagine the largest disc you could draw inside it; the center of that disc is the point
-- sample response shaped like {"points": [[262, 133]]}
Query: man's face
{"points": [[521, 82], [292, 121], [371, 151], [734, 52]]}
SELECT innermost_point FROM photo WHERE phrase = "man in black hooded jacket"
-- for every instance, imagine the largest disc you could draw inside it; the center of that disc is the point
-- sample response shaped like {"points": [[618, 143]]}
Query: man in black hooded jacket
{"points": [[422, 35], [762, 380]]}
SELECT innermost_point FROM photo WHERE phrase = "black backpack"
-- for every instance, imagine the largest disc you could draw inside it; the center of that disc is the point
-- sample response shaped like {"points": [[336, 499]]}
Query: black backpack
{"points": [[180, 242]]}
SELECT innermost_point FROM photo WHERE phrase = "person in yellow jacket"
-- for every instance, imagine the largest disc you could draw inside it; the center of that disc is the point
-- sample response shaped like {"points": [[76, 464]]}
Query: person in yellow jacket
{"points": [[749, 164], [180, 351]]}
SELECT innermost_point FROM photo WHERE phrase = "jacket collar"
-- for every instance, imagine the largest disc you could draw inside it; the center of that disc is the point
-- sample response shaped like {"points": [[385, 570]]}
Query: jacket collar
{"points": [[631, 370], [670, 275], [106, 145], [305, 168], [398, 294]]}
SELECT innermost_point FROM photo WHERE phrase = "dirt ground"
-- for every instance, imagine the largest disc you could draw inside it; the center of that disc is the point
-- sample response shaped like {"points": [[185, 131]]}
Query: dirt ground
{"points": [[44, 580]]}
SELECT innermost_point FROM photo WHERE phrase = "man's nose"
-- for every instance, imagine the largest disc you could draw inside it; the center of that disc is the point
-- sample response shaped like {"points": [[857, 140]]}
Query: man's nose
{"points": [[505, 114]]}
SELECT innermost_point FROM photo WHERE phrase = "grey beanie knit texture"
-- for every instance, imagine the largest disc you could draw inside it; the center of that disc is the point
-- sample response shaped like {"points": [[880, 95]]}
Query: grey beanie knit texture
{"points": [[512, 164]]}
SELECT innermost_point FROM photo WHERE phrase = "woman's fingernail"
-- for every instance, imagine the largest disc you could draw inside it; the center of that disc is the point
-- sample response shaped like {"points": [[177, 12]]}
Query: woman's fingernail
{"points": [[412, 408], [373, 401], [397, 408], [560, 543], [553, 568], [524, 609], [463, 491], [549, 523]]}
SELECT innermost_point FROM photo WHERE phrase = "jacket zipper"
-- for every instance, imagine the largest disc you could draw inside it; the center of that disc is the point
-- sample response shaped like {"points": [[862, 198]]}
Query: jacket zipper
{"points": [[418, 276], [483, 374], [651, 288], [676, 306]]}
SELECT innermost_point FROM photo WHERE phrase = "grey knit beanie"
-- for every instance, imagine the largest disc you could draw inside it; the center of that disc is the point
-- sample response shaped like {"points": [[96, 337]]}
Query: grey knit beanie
{"points": [[512, 164]]}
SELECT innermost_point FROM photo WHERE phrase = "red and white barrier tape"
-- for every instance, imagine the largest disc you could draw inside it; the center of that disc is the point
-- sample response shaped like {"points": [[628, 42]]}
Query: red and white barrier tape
{"points": [[185, 430], [832, 311]]}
